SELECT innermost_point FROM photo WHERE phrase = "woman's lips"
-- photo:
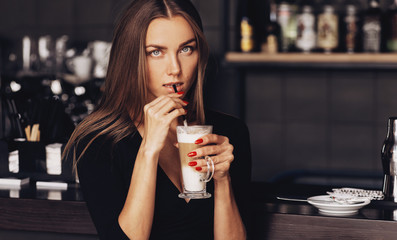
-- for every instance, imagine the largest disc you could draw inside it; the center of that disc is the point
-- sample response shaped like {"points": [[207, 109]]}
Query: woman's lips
{"points": [[170, 87]]}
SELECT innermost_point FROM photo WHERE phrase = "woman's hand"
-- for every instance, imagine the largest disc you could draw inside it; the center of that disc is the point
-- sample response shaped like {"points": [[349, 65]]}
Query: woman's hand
{"points": [[219, 149], [158, 117], [227, 220]]}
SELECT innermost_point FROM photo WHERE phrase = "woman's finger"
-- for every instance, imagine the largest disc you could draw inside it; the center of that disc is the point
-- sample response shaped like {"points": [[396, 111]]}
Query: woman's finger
{"points": [[164, 105], [218, 159], [156, 101], [223, 167], [211, 150], [175, 113], [174, 96], [212, 139]]}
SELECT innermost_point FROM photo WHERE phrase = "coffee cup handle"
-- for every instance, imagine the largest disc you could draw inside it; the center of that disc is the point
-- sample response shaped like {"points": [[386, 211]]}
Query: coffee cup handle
{"points": [[210, 169]]}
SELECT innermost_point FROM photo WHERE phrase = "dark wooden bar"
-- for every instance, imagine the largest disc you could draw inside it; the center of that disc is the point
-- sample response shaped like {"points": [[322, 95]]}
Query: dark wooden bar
{"points": [[45, 215], [291, 226], [271, 218], [279, 219], [33, 212]]}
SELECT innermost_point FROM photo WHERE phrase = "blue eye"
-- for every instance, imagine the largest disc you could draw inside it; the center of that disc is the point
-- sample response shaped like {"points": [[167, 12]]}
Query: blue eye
{"points": [[156, 53], [186, 49]]}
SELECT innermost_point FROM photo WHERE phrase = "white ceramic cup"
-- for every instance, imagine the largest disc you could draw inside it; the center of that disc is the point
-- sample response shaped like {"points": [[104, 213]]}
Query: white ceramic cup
{"points": [[81, 66], [100, 53]]}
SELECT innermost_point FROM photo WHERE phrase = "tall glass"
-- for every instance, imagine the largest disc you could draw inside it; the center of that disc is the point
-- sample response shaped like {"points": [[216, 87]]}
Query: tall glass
{"points": [[193, 182]]}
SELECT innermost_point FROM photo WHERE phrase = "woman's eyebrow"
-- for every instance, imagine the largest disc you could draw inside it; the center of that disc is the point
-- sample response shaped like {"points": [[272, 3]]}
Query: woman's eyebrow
{"points": [[155, 46], [188, 41], [163, 47]]}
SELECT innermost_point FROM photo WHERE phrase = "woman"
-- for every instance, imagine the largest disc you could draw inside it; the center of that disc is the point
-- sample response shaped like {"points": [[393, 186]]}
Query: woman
{"points": [[126, 153]]}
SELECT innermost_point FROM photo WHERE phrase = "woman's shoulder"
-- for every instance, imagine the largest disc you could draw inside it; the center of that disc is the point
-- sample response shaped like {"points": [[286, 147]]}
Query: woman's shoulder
{"points": [[219, 118], [104, 143], [94, 140], [226, 124]]}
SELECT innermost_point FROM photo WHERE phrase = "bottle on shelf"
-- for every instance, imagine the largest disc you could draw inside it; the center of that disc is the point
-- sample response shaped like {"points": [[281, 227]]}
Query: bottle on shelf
{"points": [[391, 27], [272, 31], [286, 17], [246, 29], [306, 35], [351, 30], [247, 40], [327, 29], [372, 28]]}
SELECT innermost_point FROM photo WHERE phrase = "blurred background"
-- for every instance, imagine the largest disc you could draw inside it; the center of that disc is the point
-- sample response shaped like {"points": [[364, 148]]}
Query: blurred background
{"points": [[311, 121]]}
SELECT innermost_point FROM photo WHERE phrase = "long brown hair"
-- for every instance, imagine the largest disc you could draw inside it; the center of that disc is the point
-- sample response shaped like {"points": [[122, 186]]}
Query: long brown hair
{"points": [[125, 92]]}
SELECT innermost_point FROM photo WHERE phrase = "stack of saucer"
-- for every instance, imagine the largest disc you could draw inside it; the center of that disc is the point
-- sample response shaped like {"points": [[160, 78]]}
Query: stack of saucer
{"points": [[13, 161], [53, 159]]}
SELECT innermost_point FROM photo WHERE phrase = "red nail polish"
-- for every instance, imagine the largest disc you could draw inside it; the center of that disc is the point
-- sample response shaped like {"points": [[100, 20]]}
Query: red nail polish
{"points": [[198, 168], [185, 110], [181, 92], [185, 101], [198, 141], [191, 154], [193, 163]]}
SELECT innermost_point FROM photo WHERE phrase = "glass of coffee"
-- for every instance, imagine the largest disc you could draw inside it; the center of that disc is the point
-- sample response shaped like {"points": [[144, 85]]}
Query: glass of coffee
{"points": [[193, 182]]}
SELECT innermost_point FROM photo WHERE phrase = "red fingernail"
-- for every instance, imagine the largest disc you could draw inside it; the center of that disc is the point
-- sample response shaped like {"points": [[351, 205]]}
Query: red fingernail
{"points": [[185, 110], [193, 163], [191, 154], [198, 168], [198, 141], [185, 101], [181, 92]]}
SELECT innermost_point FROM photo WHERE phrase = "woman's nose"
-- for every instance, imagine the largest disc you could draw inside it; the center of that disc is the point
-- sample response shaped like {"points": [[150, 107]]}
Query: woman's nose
{"points": [[174, 67]]}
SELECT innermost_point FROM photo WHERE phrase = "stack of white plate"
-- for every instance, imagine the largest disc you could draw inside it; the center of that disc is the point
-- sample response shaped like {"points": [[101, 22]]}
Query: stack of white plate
{"points": [[53, 159], [13, 161]]}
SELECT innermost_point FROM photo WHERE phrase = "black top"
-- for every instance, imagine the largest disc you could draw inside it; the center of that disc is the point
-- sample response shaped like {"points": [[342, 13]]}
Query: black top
{"points": [[105, 173]]}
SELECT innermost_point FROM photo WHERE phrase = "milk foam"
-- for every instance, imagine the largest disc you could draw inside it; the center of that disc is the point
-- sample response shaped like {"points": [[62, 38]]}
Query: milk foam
{"points": [[192, 133], [189, 138]]}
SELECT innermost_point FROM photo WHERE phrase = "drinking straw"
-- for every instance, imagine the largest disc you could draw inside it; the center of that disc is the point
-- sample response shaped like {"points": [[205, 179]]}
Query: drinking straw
{"points": [[174, 86], [184, 117]]}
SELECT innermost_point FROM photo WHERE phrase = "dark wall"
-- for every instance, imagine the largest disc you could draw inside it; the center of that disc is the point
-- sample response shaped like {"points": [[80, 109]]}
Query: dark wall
{"points": [[334, 120]]}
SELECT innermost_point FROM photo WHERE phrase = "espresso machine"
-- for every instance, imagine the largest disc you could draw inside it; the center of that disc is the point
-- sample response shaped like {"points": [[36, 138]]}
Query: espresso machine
{"points": [[389, 161]]}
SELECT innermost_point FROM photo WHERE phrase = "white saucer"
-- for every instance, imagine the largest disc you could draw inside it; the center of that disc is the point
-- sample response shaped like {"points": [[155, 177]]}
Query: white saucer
{"points": [[328, 206]]}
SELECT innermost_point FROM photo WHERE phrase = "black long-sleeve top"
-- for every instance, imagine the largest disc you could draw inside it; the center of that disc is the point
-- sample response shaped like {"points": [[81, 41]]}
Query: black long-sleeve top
{"points": [[105, 173]]}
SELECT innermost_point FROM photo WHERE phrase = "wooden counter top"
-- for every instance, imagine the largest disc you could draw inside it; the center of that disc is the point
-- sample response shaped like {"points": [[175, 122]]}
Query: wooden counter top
{"points": [[32, 210], [35, 210], [278, 219]]}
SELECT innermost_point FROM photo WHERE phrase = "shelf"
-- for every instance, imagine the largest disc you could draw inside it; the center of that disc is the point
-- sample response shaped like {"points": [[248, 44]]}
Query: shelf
{"points": [[313, 60]]}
